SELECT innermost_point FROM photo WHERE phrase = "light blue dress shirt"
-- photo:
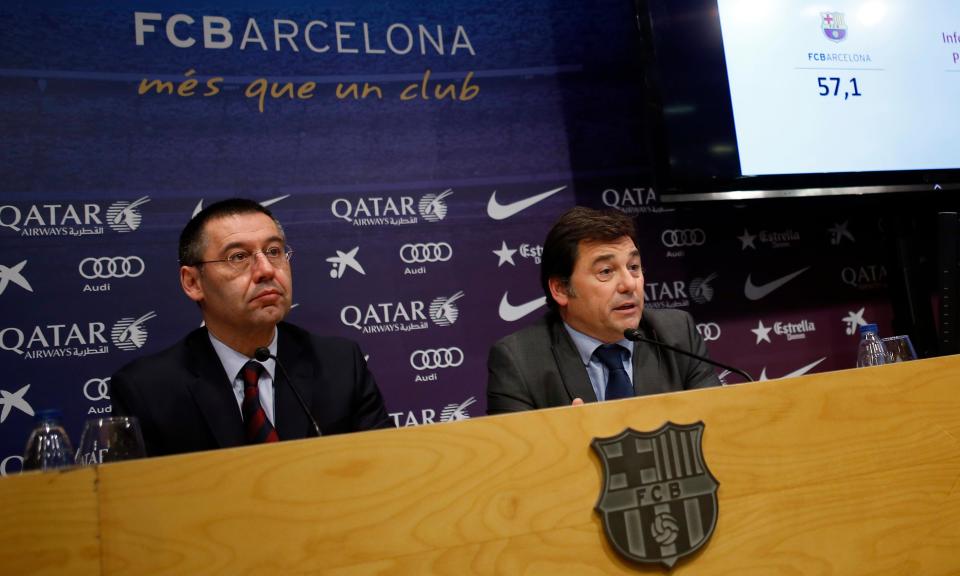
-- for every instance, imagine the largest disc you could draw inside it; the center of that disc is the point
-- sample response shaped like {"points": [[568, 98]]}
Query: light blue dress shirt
{"points": [[233, 362], [597, 372]]}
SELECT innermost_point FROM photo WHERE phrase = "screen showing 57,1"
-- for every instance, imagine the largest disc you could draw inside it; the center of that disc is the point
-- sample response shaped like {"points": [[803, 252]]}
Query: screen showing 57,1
{"points": [[844, 86]]}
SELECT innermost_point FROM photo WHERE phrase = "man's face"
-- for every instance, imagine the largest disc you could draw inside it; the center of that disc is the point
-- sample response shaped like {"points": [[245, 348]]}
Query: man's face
{"points": [[605, 293], [237, 302]]}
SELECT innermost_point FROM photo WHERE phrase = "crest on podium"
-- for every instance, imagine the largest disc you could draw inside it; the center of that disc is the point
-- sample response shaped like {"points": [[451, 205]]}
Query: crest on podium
{"points": [[659, 500]]}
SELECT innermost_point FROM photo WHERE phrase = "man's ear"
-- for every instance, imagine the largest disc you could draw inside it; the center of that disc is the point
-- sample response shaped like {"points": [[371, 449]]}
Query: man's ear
{"points": [[559, 289], [190, 282]]}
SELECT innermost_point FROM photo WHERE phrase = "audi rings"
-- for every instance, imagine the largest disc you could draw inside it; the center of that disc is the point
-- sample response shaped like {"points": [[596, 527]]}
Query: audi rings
{"points": [[111, 267], [436, 358], [679, 238], [709, 331], [426, 252], [100, 392]]}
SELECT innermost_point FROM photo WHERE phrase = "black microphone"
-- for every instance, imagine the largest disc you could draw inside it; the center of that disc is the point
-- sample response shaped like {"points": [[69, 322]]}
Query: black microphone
{"points": [[635, 335], [263, 354]]}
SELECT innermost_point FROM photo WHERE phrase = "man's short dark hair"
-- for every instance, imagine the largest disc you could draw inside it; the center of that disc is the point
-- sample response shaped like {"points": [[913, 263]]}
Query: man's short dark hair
{"points": [[192, 241], [560, 249]]}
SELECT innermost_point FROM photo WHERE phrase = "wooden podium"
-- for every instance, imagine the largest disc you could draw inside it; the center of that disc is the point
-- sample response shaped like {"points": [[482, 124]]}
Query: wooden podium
{"points": [[850, 472]]}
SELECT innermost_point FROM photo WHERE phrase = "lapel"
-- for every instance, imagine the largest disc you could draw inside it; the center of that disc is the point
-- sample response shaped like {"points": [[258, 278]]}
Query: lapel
{"points": [[572, 372], [646, 361], [212, 390], [292, 423]]}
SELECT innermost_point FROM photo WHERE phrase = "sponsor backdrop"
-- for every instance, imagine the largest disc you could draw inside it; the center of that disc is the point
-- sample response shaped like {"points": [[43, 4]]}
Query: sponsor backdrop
{"points": [[416, 152]]}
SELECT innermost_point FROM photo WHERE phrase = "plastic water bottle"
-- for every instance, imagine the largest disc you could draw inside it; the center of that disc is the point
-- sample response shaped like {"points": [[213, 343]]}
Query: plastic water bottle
{"points": [[871, 351], [48, 446]]}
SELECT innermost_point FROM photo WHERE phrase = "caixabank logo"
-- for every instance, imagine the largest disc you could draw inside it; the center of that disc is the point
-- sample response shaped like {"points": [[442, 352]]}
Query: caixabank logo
{"points": [[75, 339], [391, 210], [408, 316], [87, 219]]}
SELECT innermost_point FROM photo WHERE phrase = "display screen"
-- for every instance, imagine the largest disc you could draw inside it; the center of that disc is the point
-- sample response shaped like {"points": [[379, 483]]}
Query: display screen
{"points": [[789, 94]]}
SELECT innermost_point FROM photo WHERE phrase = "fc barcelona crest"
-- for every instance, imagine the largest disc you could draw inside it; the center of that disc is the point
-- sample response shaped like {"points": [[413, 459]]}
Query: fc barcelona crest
{"points": [[659, 500], [834, 25]]}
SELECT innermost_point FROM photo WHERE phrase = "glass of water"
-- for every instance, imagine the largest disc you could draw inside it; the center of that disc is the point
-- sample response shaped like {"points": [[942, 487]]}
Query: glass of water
{"points": [[110, 440], [899, 349]]}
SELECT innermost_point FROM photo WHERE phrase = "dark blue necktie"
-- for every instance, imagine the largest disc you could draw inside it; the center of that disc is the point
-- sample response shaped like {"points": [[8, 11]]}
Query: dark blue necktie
{"points": [[618, 381]]}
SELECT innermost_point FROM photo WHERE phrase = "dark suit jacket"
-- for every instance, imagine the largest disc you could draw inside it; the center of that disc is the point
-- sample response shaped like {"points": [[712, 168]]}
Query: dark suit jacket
{"points": [[539, 367], [185, 402]]}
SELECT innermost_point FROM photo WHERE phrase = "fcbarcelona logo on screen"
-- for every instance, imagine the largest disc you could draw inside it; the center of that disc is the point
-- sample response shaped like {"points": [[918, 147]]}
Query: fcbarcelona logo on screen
{"points": [[834, 25]]}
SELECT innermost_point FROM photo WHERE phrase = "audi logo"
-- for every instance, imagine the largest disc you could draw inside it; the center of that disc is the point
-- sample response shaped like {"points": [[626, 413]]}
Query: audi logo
{"points": [[115, 267], [426, 252], [709, 331], [100, 390], [683, 238], [436, 358]]}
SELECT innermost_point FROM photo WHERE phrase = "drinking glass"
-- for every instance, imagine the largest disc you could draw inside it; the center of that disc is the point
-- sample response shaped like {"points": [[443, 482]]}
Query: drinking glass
{"points": [[110, 440], [899, 349]]}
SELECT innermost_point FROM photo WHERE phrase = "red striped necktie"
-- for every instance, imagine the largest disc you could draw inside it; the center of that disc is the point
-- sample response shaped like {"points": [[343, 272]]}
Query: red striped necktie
{"points": [[258, 427]]}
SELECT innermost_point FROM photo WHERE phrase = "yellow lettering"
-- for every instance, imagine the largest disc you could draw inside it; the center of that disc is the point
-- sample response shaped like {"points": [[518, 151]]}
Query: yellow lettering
{"points": [[257, 89]]}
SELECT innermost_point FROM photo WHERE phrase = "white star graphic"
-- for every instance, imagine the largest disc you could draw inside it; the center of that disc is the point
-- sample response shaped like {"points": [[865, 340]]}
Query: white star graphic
{"points": [[852, 320], [762, 332], [747, 240], [14, 400], [839, 231], [505, 254]]}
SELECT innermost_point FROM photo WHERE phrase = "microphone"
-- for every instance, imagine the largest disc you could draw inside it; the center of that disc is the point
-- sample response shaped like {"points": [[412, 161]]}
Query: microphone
{"points": [[635, 335], [263, 354]]}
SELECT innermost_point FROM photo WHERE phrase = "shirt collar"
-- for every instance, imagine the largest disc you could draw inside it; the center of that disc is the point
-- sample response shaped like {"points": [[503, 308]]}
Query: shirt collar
{"points": [[233, 361], [587, 345]]}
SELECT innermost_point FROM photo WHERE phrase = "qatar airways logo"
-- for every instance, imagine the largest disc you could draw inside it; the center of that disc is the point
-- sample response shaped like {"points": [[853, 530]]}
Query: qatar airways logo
{"points": [[633, 201], [864, 277], [75, 340], [452, 412], [72, 219], [391, 211], [388, 317], [677, 294]]}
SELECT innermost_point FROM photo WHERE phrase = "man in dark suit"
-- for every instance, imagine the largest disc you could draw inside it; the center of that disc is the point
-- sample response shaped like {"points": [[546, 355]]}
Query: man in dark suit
{"points": [[208, 391], [591, 275]]}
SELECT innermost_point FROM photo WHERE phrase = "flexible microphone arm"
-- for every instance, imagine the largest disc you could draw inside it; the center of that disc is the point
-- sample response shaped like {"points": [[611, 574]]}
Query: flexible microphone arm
{"points": [[635, 335], [262, 355]]}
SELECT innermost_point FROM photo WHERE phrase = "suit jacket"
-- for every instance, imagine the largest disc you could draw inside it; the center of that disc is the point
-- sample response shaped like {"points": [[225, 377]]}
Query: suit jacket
{"points": [[185, 401], [539, 366]]}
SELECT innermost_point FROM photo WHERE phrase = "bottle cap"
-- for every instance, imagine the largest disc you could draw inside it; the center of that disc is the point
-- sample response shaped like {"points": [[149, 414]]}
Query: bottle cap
{"points": [[47, 414]]}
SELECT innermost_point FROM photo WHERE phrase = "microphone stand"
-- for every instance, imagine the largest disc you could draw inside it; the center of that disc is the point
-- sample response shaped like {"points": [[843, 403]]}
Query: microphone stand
{"points": [[635, 336]]}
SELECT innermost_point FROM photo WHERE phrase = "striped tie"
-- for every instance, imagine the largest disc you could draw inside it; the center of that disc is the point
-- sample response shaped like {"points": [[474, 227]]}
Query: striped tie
{"points": [[259, 429]]}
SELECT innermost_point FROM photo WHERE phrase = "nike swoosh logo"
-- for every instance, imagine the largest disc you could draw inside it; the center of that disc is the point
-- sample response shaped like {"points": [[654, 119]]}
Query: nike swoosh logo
{"points": [[499, 211], [795, 373], [511, 313], [753, 292]]}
